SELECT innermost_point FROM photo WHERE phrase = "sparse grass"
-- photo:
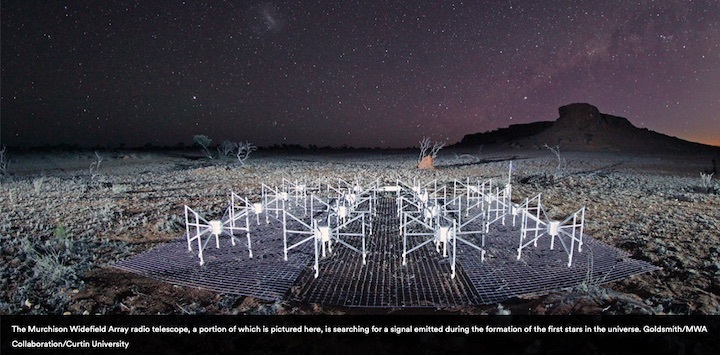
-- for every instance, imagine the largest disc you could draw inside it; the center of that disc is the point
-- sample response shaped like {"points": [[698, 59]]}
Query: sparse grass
{"points": [[120, 188], [51, 269], [51, 260], [38, 183], [3, 161], [62, 235], [95, 166], [466, 159], [706, 180], [590, 280]]}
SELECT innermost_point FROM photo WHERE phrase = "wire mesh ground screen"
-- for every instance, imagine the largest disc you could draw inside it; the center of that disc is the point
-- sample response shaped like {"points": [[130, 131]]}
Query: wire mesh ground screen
{"points": [[403, 244]]}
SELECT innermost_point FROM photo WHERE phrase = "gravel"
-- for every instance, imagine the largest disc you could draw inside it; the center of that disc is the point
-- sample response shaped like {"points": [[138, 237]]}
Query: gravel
{"points": [[59, 222]]}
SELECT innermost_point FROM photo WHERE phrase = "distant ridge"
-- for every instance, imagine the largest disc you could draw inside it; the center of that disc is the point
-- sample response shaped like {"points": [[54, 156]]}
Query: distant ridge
{"points": [[505, 135], [581, 127]]}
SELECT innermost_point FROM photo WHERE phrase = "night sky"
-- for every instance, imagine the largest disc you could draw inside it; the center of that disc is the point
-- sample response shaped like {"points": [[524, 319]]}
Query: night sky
{"points": [[361, 74]]}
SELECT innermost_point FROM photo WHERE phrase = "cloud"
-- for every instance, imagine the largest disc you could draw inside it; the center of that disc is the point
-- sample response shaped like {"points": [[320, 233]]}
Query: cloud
{"points": [[265, 17]]}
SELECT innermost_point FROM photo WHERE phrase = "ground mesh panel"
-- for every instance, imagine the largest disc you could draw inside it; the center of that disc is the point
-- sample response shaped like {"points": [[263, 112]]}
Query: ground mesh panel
{"points": [[540, 270], [384, 282], [228, 269]]}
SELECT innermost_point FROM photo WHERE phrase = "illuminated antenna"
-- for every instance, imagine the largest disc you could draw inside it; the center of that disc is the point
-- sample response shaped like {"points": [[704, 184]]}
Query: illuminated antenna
{"points": [[239, 219], [442, 224], [428, 212], [258, 209], [412, 226], [536, 222], [498, 205], [273, 200], [327, 225], [201, 227], [297, 193], [474, 193], [197, 227], [355, 198], [421, 214], [473, 225]]}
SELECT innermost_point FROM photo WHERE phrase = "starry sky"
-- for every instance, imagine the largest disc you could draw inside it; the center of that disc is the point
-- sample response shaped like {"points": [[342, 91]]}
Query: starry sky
{"points": [[349, 73]]}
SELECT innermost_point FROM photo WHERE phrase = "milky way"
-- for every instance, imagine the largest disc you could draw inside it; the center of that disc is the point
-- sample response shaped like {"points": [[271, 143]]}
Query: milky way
{"points": [[358, 74]]}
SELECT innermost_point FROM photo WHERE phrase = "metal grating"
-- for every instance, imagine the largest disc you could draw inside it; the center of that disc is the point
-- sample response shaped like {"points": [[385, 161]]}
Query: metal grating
{"points": [[384, 281], [540, 270], [228, 269]]}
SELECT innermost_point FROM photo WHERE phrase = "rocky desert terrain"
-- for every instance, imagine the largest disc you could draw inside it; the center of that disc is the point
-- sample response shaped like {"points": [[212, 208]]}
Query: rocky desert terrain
{"points": [[64, 221]]}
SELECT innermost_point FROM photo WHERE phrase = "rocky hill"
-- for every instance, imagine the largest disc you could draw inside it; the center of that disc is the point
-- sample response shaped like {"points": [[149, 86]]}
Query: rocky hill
{"points": [[505, 135], [582, 127]]}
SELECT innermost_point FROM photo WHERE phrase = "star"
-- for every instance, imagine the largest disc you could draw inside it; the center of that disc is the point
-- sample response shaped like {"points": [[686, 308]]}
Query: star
{"points": [[272, 71]]}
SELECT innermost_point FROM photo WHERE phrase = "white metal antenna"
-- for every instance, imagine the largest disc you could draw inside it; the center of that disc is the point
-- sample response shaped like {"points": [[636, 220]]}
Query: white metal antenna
{"points": [[428, 212], [412, 225], [273, 200], [197, 228], [498, 206], [200, 227], [239, 218], [297, 193], [324, 228], [535, 220]]}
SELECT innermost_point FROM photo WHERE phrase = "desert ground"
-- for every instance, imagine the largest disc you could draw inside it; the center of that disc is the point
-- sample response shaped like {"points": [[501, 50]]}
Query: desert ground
{"points": [[64, 222]]}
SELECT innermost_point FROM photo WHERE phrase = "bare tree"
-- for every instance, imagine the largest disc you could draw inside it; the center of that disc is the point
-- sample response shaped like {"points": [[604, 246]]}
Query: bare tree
{"points": [[226, 149], [204, 142], [428, 149], [425, 145], [244, 150], [436, 148], [556, 151], [3, 161]]}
